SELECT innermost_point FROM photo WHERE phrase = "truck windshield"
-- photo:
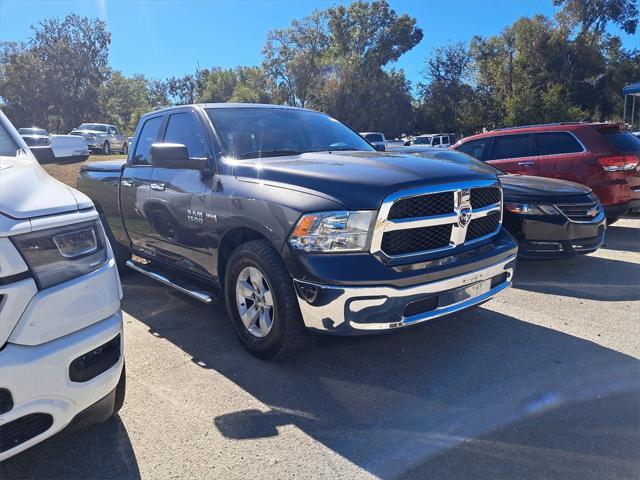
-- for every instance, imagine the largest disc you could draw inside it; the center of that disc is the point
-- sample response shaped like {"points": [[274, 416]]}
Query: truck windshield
{"points": [[93, 126], [422, 141], [249, 132]]}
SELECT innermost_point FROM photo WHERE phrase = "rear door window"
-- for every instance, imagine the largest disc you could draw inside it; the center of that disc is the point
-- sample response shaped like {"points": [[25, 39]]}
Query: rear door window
{"points": [[184, 129], [148, 135], [557, 143], [475, 148], [621, 140], [511, 146]]}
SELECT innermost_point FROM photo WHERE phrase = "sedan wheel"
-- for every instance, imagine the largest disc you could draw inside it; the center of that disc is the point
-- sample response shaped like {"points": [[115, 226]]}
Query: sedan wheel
{"points": [[255, 302]]}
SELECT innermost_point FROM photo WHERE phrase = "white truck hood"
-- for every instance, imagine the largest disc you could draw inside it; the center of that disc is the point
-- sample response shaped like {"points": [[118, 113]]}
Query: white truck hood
{"points": [[27, 191]]}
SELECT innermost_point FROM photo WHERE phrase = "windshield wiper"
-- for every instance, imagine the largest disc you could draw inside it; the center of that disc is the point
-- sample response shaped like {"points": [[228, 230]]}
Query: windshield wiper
{"points": [[269, 153]]}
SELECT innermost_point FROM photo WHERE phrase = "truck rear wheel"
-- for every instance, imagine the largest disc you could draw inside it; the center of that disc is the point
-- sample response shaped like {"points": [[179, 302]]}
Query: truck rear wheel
{"points": [[262, 303]]}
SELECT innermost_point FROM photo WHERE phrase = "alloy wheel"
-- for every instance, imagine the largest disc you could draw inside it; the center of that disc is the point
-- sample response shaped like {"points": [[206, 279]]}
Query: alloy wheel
{"points": [[255, 302]]}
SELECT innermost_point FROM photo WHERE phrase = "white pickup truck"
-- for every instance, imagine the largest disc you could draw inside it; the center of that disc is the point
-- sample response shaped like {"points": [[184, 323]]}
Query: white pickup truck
{"points": [[61, 355]]}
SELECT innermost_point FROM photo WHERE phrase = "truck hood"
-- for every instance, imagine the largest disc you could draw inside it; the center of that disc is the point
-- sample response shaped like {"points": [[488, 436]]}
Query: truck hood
{"points": [[361, 180], [521, 186], [27, 191]]}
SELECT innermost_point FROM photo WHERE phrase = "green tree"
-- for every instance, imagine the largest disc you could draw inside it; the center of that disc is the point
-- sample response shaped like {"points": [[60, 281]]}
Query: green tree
{"points": [[337, 60], [53, 80], [593, 16], [293, 57], [125, 99], [444, 96]]}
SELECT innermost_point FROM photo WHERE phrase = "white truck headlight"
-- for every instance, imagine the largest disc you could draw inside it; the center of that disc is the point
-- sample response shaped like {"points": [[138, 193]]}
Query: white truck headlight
{"points": [[340, 231], [55, 255]]}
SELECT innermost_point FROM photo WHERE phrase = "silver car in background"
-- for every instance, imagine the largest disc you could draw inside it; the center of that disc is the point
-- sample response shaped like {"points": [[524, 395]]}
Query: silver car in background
{"points": [[103, 137]]}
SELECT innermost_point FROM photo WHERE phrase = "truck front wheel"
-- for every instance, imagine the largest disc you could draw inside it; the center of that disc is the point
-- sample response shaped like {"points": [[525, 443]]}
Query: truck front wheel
{"points": [[262, 303]]}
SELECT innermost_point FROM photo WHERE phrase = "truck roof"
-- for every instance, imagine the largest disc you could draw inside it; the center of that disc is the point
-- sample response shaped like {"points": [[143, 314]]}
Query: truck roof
{"points": [[228, 105]]}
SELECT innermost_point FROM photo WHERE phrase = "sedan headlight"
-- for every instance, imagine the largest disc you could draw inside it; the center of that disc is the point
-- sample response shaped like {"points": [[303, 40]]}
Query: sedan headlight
{"points": [[341, 231], [56, 255], [530, 208]]}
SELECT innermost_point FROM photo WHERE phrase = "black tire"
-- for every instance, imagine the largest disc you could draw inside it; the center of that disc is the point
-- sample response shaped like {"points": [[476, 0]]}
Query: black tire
{"points": [[125, 149], [121, 389], [121, 253], [287, 334], [106, 148], [612, 220]]}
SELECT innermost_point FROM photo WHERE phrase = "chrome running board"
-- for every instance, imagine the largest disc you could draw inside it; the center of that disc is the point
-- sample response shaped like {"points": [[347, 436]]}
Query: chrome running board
{"points": [[194, 292]]}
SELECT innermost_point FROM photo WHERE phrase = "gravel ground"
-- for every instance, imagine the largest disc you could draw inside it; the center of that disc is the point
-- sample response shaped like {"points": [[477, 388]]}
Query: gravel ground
{"points": [[542, 382]]}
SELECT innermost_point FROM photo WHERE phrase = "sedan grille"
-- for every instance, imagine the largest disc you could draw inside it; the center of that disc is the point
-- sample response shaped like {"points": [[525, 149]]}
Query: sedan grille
{"points": [[423, 221], [584, 212]]}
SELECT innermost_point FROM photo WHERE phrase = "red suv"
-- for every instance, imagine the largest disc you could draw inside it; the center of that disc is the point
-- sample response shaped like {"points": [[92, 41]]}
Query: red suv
{"points": [[603, 156]]}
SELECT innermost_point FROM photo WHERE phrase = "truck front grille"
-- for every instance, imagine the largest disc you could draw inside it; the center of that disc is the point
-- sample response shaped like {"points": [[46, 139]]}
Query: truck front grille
{"points": [[427, 220], [422, 206], [481, 227], [481, 197], [416, 240]]}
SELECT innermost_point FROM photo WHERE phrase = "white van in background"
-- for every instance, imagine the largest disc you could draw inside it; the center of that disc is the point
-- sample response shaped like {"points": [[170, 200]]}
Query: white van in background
{"points": [[61, 355]]}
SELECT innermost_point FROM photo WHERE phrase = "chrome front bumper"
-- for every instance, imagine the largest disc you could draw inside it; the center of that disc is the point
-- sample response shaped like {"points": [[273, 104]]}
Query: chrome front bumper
{"points": [[359, 310]]}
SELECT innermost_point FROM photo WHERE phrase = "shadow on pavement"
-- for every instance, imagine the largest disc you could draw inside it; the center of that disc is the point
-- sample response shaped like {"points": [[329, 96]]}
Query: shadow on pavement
{"points": [[101, 451], [573, 441], [389, 404], [622, 239], [587, 276]]}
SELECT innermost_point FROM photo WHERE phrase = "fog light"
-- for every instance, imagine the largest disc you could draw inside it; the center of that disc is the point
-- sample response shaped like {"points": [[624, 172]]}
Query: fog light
{"points": [[95, 362]]}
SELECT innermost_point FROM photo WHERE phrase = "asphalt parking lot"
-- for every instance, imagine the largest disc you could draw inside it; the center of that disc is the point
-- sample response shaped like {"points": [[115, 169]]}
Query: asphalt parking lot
{"points": [[542, 382]]}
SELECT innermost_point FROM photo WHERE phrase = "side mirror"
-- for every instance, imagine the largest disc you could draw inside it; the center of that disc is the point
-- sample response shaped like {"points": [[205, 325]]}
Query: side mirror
{"points": [[175, 155], [380, 147]]}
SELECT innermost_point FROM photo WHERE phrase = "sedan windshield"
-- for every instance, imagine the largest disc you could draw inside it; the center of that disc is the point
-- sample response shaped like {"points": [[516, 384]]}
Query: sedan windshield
{"points": [[32, 131], [259, 132], [93, 126]]}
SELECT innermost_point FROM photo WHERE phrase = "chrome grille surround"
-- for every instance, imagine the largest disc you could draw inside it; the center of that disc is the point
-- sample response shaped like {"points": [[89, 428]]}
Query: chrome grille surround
{"points": [[460, 218]]}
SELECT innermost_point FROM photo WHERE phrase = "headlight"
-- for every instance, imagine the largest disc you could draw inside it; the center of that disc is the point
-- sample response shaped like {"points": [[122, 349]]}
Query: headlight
{"points": [[332, 231], [56, 255], [530, 209]]}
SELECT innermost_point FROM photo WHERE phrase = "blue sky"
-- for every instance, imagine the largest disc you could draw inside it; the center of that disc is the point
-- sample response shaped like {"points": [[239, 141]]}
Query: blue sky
{"points": [[163, 38]]}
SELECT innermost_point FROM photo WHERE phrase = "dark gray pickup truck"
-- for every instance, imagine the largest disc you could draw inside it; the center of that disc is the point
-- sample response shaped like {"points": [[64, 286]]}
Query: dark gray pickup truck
{"points": [[300, 223]]}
